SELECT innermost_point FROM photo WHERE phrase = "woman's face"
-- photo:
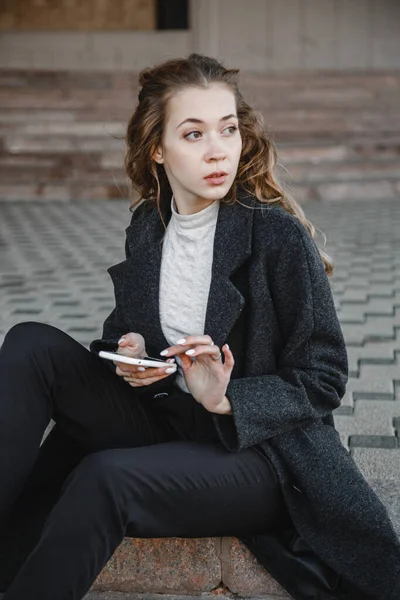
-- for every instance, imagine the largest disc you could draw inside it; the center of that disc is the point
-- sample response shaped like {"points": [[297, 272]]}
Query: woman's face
{"points": [[200, 137]]}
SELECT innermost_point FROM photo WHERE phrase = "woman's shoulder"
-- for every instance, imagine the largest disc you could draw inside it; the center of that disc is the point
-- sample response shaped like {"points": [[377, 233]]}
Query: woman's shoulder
{"points": [[142, 210], [275, 225]]}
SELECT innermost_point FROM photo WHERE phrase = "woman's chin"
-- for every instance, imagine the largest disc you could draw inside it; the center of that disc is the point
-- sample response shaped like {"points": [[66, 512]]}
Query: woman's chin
{"points": [[217, 192]]}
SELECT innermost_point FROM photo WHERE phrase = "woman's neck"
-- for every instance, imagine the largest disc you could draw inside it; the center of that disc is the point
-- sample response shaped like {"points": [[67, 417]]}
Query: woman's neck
{"points": [[183, 209]]}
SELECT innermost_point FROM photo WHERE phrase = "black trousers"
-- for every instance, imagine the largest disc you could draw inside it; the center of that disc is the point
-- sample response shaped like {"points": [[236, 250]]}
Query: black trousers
{"points": [[114, 465]]}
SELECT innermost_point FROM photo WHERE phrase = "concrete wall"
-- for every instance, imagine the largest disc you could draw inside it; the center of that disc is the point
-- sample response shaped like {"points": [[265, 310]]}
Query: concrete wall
{"points": [[258, 35], [91, 50]]}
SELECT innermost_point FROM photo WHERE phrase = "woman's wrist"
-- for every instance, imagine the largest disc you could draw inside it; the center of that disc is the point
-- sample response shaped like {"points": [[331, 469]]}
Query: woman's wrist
{"points": [[223, 408]]}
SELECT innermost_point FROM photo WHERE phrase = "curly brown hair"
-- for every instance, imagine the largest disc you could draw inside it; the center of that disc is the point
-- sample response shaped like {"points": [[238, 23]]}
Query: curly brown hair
{"points": [[258, 158]]}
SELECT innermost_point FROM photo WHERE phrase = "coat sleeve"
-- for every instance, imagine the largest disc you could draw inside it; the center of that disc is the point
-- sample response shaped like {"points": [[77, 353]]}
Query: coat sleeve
{"points": [[115, 326], [312, 365]]}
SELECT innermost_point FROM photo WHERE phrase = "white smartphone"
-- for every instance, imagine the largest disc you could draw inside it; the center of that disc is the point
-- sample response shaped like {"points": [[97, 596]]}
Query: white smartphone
{"points": [[142, 362]]}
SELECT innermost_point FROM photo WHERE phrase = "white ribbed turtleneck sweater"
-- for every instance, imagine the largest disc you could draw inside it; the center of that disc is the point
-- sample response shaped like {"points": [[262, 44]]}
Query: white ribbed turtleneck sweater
{"points": [[187, 256]]}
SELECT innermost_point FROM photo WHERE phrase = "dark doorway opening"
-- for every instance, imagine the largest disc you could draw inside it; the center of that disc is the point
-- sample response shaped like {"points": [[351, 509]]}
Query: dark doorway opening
{"points": [[172, 14]]}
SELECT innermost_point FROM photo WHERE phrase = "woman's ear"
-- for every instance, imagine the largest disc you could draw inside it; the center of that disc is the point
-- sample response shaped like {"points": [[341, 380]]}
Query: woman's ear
{"points": [[158, 155]]}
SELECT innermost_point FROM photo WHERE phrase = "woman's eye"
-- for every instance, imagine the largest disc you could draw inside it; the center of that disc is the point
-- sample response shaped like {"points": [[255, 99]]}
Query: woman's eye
{"points": [[192, 133], [233, 128]]}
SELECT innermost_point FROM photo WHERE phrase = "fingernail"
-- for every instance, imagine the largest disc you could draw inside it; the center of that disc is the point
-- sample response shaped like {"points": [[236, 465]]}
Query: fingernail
{"points": [[171, 370], [227, 347], [141, 369], [190, 351], [164, 353], [121, 340], [182, 341]]}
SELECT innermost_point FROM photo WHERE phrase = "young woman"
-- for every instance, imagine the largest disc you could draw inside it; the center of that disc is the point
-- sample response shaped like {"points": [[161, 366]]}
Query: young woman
{"points": [[223, 279]]}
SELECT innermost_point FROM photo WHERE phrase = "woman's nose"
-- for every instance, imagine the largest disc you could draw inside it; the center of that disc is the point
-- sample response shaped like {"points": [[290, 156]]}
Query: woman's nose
{"points": [[215, 148], [215, 153]]}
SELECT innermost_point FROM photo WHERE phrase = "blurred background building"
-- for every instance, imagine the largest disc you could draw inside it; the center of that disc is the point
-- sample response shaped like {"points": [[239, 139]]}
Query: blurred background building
{"points": [[324, 73], [259, 35]]}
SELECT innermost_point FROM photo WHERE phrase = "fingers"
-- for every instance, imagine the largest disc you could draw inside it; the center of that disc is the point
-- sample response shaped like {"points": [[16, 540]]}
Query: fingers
{"points": [[142, 379], [148, 373], [132, 344], [127, 348], [229, 359], [129, 339], [190, 340], [135, 382], [123, 372], [199, 350], [213, 351]]}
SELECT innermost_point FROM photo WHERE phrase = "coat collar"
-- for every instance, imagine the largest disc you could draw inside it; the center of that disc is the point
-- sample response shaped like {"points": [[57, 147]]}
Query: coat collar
{"points": [[232, 246]]}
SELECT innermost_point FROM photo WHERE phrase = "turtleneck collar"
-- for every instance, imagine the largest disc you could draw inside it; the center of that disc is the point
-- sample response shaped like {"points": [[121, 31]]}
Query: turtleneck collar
{"points": [[190, 223]]}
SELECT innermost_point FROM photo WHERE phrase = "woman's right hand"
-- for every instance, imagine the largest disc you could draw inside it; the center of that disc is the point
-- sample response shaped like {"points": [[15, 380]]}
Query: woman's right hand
{"points": [[133, 344]]}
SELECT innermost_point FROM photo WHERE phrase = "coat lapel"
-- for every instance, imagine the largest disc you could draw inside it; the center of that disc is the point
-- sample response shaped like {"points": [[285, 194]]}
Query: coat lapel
{"points": [[232, 246]]}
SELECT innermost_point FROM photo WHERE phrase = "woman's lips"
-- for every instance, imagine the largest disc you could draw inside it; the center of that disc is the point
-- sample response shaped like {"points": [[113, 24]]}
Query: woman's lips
{"points": [[216, 180]]}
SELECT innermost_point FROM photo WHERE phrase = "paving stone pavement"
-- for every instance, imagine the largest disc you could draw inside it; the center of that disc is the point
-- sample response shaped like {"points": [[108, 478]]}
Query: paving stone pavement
{"points": [[53, 261]]}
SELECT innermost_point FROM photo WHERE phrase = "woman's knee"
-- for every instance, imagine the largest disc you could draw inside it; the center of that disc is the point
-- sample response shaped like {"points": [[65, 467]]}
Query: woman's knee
{"points": [[31, 336], [96, 487], [99, 471]]}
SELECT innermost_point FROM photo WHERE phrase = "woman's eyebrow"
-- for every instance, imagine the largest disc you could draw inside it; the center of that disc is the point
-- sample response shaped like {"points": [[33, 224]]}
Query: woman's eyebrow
{"points": [[193, 120]]}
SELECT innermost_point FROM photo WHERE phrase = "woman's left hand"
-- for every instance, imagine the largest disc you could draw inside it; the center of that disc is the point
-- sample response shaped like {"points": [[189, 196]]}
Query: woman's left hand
{"points": [[206, 378]]}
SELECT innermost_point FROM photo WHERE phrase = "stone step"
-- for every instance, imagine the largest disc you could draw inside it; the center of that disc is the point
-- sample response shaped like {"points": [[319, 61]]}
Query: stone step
{"points": [[111, 149], [65, 192], [293, 147], [62, 173], [70, 128], [291, 151], [71, 100], [322, 136], [325, 123], [13, 106], [83, 160], [83, 189], [346, 150], [337, 134], [355, 170], [350, 191], [92, 167], [26, 167], [187, 566], [59, 144], [308, 89], [15, 114]]}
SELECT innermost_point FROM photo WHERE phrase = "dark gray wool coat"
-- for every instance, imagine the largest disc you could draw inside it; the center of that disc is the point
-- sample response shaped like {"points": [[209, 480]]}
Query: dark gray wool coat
{"points": [[271, 301]]}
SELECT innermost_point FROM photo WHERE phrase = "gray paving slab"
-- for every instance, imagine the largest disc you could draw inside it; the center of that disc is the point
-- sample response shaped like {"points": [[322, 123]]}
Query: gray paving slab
{"points": [[53, 261]]}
